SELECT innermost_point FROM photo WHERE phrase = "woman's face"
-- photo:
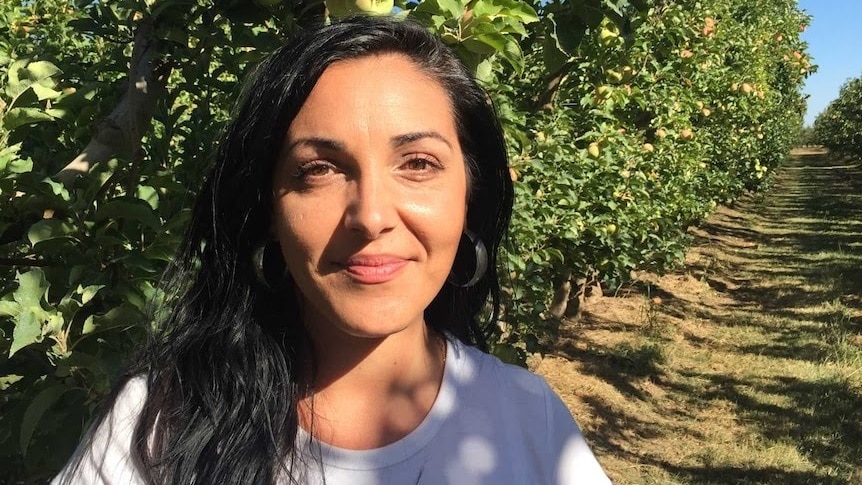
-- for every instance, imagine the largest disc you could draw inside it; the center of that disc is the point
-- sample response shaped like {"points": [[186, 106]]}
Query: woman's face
{"points": [[370, 196]]}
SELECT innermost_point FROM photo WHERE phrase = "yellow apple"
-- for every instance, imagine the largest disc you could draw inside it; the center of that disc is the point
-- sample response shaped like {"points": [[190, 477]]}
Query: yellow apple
{"points": [[378, 7], [614, 76], [344, 8], [608, 36]]}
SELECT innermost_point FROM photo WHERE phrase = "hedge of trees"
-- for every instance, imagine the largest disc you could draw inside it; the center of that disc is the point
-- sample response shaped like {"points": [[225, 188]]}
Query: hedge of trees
{"points": [[839, 126], [627, 121]]}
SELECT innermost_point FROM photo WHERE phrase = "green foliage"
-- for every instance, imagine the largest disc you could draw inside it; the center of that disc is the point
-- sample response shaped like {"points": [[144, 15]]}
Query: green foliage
{"points": [[626, 122], [629, 132], [839, 127]]}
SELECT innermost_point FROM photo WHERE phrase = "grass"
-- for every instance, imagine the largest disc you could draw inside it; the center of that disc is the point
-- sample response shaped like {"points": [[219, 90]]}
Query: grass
{"points": [[746, 366]]}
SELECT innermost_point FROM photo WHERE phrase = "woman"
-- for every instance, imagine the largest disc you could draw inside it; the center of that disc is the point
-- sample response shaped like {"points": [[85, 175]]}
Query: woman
{"points": [[325, 326]]}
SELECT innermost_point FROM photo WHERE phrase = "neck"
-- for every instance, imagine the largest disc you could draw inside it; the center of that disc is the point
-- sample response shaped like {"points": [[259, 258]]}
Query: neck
{"points": [[396, 360], [371, 391]]}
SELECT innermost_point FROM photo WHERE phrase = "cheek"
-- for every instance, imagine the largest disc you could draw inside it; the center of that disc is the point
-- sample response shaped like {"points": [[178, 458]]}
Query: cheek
{"points": [[443, 223], [298, 231]]}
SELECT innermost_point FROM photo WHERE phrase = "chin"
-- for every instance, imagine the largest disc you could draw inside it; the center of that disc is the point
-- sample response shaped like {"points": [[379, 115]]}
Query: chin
{"points": [[367, 319], [382, 325]]}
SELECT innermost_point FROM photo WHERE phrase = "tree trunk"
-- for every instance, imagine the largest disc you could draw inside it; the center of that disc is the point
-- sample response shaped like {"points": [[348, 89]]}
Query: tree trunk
{"points": [[120, 132], [561, 296]]}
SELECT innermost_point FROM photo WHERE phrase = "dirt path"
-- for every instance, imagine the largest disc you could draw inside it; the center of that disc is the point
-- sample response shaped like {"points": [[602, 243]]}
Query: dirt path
{"points": [[745, 366]]}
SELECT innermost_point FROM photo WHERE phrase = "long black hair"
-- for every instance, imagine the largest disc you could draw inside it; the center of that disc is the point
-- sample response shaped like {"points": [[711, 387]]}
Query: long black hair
{"points": [[223, 371]]}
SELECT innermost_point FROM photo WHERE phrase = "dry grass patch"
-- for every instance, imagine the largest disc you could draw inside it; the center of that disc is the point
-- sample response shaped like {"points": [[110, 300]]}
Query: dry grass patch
{"points": [[744, 367]]}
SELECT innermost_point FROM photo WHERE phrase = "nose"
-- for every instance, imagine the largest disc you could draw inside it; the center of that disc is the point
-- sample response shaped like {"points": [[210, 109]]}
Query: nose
{"points": [[371, 209]]}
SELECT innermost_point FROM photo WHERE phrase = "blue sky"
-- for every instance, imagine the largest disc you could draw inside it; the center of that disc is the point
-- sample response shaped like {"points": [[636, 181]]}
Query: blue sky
{"points": [[835, 42]]}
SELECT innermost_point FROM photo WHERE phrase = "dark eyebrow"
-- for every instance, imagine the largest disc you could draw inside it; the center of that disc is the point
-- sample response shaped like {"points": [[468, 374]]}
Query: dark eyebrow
{"points": [[317, 142], [406, 138]]}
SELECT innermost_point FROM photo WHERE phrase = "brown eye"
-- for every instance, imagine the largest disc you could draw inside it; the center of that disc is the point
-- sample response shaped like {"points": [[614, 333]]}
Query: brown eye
{"points": [[421, 164], [315, 169]]}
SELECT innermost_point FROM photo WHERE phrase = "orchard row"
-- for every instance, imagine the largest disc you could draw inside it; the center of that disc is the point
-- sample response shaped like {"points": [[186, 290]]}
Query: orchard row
{"points": [[839, 127]]}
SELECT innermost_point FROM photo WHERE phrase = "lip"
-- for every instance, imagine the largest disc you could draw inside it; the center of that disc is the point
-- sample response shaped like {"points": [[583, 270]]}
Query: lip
{"points": [[373, 269]]}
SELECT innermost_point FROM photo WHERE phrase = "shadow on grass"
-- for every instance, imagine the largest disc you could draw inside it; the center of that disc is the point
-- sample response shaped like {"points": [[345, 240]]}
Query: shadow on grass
{"points": [[822, 417], [719, 475], [622, 365], [792, 260]]}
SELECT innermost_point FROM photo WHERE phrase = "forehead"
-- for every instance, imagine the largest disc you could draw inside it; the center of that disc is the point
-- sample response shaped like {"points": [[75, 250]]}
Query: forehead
{"points": [[383, 92]]}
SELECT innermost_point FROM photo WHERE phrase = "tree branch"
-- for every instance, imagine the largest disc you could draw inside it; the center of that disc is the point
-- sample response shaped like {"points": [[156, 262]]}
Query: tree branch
{"points": [[120, 132], [26, 262], [545, 101]]}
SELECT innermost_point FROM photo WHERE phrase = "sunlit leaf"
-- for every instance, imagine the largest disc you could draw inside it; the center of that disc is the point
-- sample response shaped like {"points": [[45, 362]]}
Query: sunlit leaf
{"points": [[16, 117], [48, 229], [28, 328]]}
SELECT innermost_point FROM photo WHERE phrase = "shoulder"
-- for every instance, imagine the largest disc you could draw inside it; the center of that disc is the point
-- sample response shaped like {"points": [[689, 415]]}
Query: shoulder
{"points": [[121, 419], [534, 416], [510, 381], [105, 456]]}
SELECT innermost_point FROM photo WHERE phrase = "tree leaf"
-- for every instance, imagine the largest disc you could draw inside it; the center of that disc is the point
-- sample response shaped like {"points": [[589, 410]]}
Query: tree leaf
{"points": [[485, 44], [60, 113], [9, 379], [21, 166], [56, 188], [89, 326], [16, 117], [89, 292], [552, 55], [449, 8], [129, 208], [48, 229], [8, 154], [567, 29], [9, 308], [31, 288], [484, 71], [16, 85], [149, 195], [484, 8], [125, 315], [18, 165], [521, 11], [40, 70], [37, 408], [590, 15], [44, 93], [28, 328], [512, 53]]}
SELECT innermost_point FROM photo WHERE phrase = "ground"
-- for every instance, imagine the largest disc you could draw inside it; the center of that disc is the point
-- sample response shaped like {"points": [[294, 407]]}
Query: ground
{"points": [[745, 365]]}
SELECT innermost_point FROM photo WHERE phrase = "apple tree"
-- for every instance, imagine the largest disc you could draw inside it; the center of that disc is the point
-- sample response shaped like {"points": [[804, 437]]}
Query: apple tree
{"points": [[839, 126]]}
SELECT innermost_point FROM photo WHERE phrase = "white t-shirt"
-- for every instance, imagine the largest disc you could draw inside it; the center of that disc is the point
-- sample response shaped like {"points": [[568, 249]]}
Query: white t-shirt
{"points": [[492, 423]]}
